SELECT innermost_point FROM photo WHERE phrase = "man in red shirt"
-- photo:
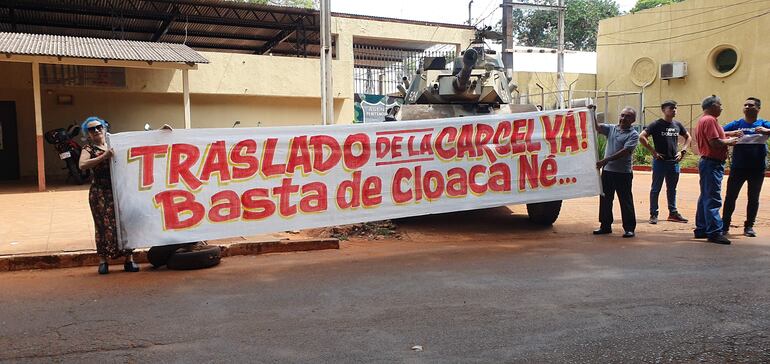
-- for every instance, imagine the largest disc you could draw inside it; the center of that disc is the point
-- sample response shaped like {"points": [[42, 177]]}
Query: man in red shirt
{"points": [[712, 145]]}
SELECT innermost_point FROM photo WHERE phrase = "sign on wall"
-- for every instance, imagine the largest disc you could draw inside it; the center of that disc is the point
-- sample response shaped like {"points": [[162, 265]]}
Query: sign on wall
{"points": [[374, 108], [187, 185]]}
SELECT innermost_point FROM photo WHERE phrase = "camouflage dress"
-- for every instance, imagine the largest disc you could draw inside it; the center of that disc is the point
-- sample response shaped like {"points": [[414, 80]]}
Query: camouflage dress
{"points": [[103, 207]]}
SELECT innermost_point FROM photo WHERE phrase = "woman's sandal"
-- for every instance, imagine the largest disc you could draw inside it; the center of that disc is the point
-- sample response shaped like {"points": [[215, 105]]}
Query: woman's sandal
{"points": [[130, 267], [104, 268]]}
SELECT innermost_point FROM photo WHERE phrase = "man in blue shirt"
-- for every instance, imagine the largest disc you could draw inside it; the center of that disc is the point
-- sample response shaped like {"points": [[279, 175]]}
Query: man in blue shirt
{"points": [[748, 164]]}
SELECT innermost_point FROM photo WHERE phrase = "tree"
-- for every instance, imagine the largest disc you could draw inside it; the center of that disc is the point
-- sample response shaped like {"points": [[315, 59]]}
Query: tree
{"points": [[538, 28], [649, 4]]}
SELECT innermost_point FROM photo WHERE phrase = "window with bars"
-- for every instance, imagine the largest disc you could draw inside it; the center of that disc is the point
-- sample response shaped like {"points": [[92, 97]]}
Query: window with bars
{"points": [[82, 76]]}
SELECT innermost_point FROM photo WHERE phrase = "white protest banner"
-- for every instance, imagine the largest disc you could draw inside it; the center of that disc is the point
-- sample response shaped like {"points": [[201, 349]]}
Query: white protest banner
{"points": [[187, 185]]}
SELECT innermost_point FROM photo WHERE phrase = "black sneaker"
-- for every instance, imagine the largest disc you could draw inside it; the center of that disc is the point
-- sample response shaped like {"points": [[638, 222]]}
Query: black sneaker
{"points": [[653, 219], [629, 234], [602, 231], [676, 217], [699, 235], [749, 231], [719, 239]]}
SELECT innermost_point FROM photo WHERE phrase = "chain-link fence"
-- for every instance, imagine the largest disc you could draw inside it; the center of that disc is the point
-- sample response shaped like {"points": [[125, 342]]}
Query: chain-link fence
{"points": [[379, 70]]}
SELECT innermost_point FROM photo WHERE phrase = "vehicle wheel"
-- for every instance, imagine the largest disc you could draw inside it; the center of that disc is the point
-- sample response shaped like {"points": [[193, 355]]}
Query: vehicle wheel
{"points": [[544, 213], [74, 171], [158, 255], [195, 257]]}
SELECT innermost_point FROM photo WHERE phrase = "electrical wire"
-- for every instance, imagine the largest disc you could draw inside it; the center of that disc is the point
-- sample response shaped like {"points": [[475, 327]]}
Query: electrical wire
{"points": [[681, 26], [683, 17], [486, 17], [728, 26]]}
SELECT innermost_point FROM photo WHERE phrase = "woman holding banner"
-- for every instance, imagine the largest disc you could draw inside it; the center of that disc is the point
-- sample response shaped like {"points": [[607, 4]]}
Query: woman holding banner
{"points": [[96, 156]]}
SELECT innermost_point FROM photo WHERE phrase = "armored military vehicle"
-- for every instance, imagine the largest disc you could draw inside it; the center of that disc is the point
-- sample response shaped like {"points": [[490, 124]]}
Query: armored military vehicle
{"points": [[476, 84]]}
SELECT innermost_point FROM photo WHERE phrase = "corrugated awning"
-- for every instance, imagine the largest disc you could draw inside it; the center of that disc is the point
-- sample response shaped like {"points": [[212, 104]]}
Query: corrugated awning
{"points": [[96, 48]]}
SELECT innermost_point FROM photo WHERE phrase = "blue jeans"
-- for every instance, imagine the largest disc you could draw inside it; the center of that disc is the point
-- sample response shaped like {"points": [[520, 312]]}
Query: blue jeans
{"points": [[668, 171], [707, 220]]}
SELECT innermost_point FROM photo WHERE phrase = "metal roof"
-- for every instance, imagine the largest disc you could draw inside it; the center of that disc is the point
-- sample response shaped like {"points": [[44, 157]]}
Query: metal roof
{"points": [[215, 25], [96, 48]]}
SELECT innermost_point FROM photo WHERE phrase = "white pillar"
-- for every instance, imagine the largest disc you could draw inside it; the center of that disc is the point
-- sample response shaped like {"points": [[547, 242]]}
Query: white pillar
{"points": [[38, 126], [186, 96], [327, 89]]}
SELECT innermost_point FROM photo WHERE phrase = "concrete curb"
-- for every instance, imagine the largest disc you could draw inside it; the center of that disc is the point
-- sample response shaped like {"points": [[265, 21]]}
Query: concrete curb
{"points": [[10, 263]]}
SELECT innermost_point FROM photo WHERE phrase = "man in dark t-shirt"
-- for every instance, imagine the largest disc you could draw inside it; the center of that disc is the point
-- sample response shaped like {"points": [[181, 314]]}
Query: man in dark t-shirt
{"points": [[747, 164], [665, 133]]}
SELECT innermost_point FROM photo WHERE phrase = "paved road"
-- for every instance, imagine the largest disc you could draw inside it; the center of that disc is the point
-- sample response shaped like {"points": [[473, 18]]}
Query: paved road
{"points": [[498, 290]]}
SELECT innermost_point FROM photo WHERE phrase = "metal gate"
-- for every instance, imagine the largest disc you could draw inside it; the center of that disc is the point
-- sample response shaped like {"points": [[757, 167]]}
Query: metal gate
{"points": [[379, 70]]}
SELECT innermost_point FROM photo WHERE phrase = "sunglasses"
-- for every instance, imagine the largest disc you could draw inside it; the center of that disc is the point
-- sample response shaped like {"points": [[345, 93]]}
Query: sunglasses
{"points": [[94, 129]]}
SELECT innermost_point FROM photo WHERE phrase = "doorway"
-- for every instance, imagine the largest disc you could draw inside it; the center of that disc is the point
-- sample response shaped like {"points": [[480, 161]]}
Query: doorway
{"points": [[9, 142]]}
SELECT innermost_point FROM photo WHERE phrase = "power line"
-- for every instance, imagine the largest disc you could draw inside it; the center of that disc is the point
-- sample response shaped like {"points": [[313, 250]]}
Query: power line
{"points": [[486, 17], [731, 25], [683, 17], [681, 26]]}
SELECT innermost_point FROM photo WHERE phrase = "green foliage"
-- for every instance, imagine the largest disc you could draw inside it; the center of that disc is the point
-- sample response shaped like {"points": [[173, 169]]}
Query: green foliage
{"points": [[581, 22], [649, 4], [642, 156]]}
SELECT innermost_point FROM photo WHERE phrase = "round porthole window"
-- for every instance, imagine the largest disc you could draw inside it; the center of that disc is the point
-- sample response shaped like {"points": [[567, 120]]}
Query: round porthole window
{"points": [[723, 60]]}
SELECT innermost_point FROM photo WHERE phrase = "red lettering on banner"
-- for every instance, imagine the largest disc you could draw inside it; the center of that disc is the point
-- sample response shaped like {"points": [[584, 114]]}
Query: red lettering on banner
{"points": [[548, 171], [475, 187], [269, 169], [465, 142], [528, 172], [433, 185], [552, 130], [502, 138], [499, 178], [410, 147], [519, 136], [314, 198], [320, 143], [225, 206], [457, 183], [299, 156], [395, 146], [353, 186], [179, 168], [174, 204], [450, 134], [147, 155], [484, 134], [215, 161], [399, 195], [371, 193], [425, 147], [532, 147], [237, 157], [257, 204], [382, 147], [418, 183], [569, 137], [284, 192], [351, 161]]}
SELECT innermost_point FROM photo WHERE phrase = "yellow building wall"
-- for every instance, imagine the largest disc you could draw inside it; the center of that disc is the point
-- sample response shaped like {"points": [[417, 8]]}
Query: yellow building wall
{"points": [[688, 31]]}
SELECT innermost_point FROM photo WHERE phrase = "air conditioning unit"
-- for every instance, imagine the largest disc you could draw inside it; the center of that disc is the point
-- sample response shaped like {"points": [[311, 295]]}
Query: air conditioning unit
{"points": [[673, 70]]}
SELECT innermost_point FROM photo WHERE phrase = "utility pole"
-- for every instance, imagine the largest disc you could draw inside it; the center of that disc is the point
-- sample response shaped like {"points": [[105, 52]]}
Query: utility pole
{"points": [[508, 6], [508, 37], [327, 89], [561, 83]]}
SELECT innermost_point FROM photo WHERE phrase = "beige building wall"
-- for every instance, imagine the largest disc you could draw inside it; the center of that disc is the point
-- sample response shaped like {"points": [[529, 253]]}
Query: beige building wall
{"points": [[255, 89], [688, 32]]}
